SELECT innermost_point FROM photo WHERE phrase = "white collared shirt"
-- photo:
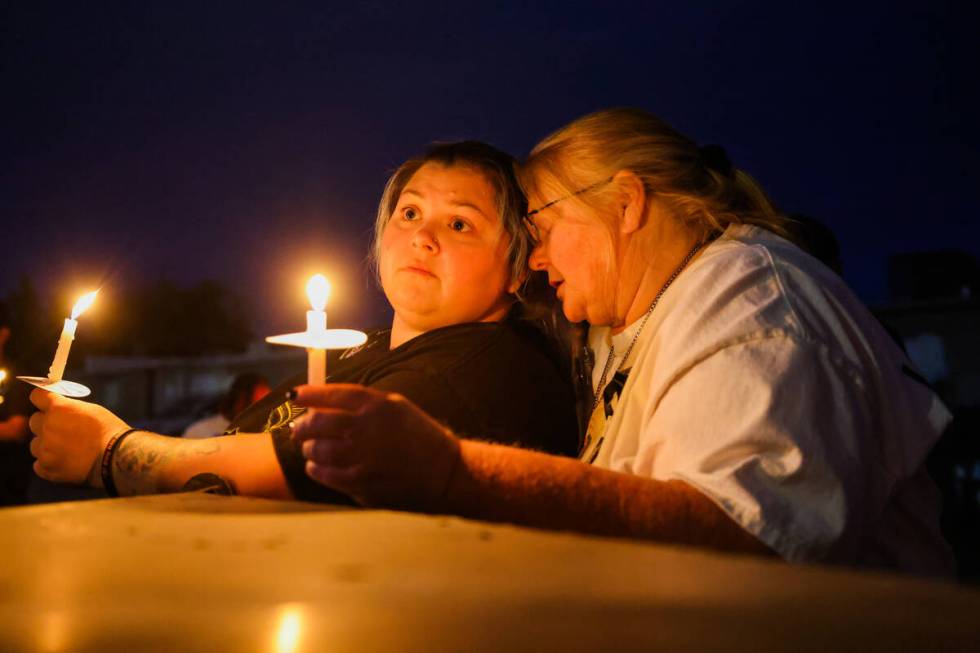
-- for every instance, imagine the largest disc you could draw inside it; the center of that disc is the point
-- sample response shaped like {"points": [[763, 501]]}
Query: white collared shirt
{"points": [[763, 382]]}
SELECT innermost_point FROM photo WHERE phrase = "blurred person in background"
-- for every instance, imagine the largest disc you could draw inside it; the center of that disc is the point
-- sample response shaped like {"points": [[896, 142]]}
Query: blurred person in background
{"points": [[245, 390], [15, 408]]}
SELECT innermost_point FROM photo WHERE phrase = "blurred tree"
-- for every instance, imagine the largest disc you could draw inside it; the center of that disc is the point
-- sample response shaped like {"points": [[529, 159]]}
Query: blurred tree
{"points": [[159, 319], [167, 320], [31, 327], [952, 275], [163, 319]]}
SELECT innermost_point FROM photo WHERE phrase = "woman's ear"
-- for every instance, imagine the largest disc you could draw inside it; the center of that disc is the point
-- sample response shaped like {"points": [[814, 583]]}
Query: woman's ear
{"points": [[633, 202]]}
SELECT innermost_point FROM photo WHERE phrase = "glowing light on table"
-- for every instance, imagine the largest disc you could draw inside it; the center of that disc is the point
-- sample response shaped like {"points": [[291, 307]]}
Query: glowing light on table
{"points": [[317, 338], [57, 369], [53, 633], [289, 630]]}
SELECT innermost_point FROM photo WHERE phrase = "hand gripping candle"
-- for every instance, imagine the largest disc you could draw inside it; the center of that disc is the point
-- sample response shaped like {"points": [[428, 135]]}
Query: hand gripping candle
{"points": [[54, 382]]}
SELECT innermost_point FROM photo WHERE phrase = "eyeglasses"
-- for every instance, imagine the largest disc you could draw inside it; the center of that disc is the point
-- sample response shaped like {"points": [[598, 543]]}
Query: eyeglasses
{"points": [[533, 229]]}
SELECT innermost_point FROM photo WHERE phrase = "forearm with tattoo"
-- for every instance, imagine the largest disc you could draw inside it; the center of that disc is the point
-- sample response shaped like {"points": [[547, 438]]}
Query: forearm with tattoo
{"points": [[147, 463]]}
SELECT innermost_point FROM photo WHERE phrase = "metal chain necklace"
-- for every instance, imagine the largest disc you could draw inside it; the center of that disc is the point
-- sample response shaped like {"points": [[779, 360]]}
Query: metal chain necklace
{"points": [[612, 348]]}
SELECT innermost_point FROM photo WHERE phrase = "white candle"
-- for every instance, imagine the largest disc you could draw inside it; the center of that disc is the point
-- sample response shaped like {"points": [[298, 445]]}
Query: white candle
{"points": [[317, 339], [317, 290], [316, 366], [57, 369]]}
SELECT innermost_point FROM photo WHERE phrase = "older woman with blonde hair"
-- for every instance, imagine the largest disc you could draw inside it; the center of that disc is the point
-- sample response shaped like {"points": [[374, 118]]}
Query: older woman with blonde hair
{"points": [[743, 398]]}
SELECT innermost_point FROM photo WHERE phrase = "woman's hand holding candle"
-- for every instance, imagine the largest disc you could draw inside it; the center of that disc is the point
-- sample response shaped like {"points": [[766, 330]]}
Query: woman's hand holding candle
{"points": [[70, 436]]}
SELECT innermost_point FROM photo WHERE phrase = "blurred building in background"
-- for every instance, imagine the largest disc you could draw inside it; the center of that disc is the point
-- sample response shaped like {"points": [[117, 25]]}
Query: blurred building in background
{"points": [[164, 395], [934, 309]]}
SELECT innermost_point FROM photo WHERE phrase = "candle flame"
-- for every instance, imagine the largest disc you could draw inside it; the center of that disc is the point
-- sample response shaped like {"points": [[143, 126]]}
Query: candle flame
{"points": [[318, 290], [83, 303]]}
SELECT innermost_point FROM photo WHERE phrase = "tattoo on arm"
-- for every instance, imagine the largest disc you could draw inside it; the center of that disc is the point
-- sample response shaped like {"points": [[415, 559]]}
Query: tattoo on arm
{"points": [[210, 484], [144, 460]]}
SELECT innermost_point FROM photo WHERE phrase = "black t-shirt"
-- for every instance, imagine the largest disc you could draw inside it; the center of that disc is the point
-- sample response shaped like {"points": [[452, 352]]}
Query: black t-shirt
{"points": [[491, 381]]}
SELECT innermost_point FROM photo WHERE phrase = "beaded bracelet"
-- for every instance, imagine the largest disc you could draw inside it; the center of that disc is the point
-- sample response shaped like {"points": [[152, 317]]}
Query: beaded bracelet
{"points": [[110, 450]]}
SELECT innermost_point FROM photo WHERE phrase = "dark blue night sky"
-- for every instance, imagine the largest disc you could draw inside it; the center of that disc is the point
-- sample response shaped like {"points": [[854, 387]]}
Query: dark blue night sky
{"points": [[148, 140]]}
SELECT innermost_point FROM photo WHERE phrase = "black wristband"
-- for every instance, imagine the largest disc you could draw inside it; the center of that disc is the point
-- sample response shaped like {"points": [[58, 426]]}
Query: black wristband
{"points": [[110, 450]]}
